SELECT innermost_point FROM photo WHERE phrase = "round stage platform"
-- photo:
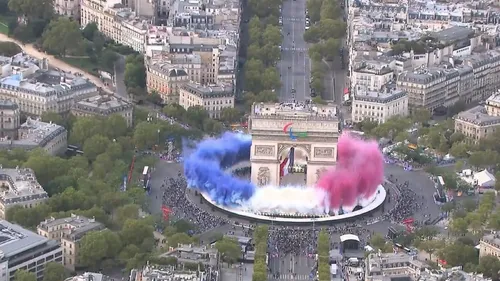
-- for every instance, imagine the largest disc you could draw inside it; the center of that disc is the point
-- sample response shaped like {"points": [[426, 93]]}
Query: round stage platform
{"points": [[327, 219]]}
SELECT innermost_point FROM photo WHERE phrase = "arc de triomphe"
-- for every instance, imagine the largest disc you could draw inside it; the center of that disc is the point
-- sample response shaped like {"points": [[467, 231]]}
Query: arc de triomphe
{"points": [[314, 131]]}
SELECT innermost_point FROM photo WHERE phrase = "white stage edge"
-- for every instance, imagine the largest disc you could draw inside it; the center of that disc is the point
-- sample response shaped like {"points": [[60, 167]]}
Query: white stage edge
{"points": [[379, 200]]}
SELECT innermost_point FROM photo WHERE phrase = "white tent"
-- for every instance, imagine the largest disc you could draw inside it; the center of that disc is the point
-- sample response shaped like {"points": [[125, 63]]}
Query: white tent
{"points": [[485, 179]]}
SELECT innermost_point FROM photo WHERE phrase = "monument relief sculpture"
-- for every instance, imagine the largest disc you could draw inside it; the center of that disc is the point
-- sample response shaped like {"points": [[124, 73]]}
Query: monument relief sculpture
{"points": [[319, 172], [264, 176], [323, 152], [264, 150]]}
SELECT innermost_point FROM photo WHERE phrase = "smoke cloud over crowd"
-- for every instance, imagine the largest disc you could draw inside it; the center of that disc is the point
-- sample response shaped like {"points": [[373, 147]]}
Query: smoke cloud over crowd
{"points": [[359, 172], [354, 181]]}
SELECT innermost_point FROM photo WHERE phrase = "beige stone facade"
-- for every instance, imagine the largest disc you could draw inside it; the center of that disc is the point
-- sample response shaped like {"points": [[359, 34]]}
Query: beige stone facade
{"points": [[104, 105], [19, 187], [10, 118], [489, 245], [270, 142], [68, 231], [481, 121], [214, 98]]}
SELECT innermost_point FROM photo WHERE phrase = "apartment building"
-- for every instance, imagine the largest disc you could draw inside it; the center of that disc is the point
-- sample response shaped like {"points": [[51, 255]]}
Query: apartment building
{"points": [[166, 79], [486, 69], [116, 21], [178, 40], [430, 88], [379, 266], [25, 250], [489, 245], [69, 231], [37, 134], [104, 105], [214, 98], [378, 106], [481, 121], [169, 273], [372, 73], [67, 8], [19, 188], [10, 118], [35, 90], [189, 254]]}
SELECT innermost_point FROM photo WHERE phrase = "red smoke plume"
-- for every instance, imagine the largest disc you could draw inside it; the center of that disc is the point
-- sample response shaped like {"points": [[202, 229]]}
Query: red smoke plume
{"points": [[359, 171]]}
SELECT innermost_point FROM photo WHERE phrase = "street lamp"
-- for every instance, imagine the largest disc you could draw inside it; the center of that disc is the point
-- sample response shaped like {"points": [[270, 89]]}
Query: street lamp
{"points": [[158, 137]]}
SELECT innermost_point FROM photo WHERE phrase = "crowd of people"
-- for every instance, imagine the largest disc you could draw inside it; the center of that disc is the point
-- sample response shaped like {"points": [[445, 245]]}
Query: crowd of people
{"points": [[406, 203], [174, 198]]}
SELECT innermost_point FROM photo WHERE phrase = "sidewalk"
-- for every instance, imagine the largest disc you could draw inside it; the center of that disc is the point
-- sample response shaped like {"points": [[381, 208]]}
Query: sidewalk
{"points": [[55, 62]]}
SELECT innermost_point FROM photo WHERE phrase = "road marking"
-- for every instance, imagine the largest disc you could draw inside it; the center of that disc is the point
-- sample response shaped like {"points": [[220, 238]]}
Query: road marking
{"points": [[289, 277], [294, 49], [295, 19]]}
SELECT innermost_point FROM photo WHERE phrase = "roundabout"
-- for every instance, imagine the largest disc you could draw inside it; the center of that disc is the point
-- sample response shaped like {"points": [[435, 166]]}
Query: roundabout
{"points": [[293, 219], [335, 177]]}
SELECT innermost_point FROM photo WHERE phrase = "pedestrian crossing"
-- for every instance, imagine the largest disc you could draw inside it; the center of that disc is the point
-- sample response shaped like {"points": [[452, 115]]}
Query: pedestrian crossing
{"points": [[294, 49], [289, 277], [295, 19]]}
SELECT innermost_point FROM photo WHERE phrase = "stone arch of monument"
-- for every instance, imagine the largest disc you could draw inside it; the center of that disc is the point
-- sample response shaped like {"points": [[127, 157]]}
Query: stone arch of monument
{"points": [[266, 156]]}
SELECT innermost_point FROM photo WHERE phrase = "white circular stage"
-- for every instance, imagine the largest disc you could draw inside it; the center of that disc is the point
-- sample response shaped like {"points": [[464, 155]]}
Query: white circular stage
{"points": [[375, 203]]}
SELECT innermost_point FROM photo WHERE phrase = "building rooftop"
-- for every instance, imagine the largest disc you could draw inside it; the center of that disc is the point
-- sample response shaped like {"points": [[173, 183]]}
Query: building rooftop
{"points": [[20, 185], [294, 110], [90, 276], [35, 133], [75, 227], [427, 75], [478, 116], [453, 34], [103, 104], [46, 83], [190, 253], [384, 96], [14, 239], [209, 91], [167, 273]]}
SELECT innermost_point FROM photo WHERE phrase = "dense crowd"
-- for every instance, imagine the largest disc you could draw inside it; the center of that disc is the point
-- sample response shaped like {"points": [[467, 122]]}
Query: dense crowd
{"points": [[302, 241], [406, 203], [174, 197]]}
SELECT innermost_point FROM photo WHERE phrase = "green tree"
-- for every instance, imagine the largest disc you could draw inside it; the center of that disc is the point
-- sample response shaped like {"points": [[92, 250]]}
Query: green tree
{"points": [[9, 49], [272, 35], [179, 238], [430, 246], [229, 248], [23, 275], [90, 30], [421, 115], [135, 72], [62, 35], [54, 272], [146, 135], [95, 145], [137, 232], [318, 100], [84, 128], [459, 226], [490, 266], [459, 150], [96, 246], [174, 110], [107, 59], [129, 211], [427, 232], [458, 254], [33, 9], [230, 115]]}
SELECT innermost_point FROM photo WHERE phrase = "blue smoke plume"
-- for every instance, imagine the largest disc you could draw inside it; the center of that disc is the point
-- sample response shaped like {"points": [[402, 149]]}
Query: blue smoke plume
{"points": [[204, 168]]}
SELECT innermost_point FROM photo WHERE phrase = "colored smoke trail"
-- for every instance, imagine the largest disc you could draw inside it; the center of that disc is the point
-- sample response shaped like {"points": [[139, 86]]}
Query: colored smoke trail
{"points": [[354, 181], [359, 172], [204, 168]]}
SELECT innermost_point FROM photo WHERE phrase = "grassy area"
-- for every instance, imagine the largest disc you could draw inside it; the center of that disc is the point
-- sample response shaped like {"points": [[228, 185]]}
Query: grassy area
{"points": [[83, 63], [4, 25]]}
